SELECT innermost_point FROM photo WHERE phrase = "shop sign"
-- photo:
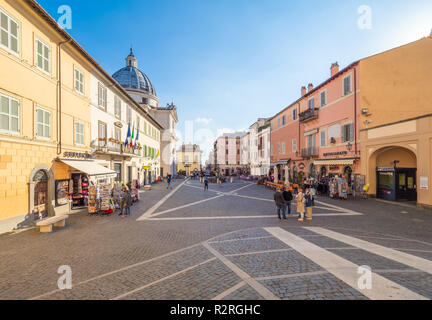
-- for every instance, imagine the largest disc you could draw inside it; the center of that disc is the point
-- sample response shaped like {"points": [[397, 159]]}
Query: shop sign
{"points": [[424, 183], [385, 169], [334, 168], [146, 167], [77, 155], [333, 154]]}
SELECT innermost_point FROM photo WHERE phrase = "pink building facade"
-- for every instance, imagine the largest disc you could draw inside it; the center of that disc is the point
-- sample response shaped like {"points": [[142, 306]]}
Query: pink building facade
{"points": [[318, 135]]}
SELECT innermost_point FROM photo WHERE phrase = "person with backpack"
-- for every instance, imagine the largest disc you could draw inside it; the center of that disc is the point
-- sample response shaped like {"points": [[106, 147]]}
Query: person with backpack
{"points": [[288, 197], [280, 203]]}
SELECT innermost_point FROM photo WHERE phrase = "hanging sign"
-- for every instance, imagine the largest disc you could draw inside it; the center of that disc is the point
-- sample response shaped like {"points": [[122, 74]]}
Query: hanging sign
{"points": [[424, 183]]}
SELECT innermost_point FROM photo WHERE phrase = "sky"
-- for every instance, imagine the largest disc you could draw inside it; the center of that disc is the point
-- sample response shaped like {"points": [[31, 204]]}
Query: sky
{"points": [[225, 63]]}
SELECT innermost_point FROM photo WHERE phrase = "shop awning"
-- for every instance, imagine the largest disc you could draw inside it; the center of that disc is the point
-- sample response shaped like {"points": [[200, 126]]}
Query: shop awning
{"points": [[280, 162], [342, 162], [90, 167]]}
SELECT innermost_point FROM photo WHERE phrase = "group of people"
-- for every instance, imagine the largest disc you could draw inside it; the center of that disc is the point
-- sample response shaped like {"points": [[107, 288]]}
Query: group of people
{"points": [[304, 203], [125, 203]]}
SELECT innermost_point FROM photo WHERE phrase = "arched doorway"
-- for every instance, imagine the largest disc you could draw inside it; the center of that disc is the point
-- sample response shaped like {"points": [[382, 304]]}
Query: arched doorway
{"points": [[396, 173], [312, 171], [41, 191], [323, 171], [295, 175]]}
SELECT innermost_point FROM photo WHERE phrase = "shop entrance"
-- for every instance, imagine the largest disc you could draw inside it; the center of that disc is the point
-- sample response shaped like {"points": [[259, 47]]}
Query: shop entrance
{"points": [[397, 184], [40, 195]]}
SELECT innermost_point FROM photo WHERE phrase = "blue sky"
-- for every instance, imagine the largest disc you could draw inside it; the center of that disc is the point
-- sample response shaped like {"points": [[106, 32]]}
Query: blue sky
{"points": [[228, 62]]}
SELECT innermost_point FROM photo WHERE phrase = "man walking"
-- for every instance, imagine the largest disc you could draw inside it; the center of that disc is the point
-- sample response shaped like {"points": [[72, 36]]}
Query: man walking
{"points": [[288, 197], [127, 204], [169, 182], [206, 187], [280, 203]]}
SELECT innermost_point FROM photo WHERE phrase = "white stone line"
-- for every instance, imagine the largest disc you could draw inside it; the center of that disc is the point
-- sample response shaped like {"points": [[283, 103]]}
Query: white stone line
{"points": [[293, 275], [337, 207], [117, 270], [162, 279], [244, 187], [230, 290], [248, 217], [263, 291], [240, 239], [202, 188], [399, 256], [383, 289], [380, 238], [249, 197], [149, 212], [257, 252], [413, 250], [182, 207], [397, 271]]}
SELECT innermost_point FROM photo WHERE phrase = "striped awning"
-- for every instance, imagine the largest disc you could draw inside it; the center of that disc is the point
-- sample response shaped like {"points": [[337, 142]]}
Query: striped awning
{"points": [[341, 162]]}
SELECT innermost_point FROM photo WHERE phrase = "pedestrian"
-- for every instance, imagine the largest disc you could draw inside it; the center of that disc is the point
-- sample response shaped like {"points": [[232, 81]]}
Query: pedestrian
{"points": [[313, 194], [206, 186], [300, 202], [169, 182], [127, 204], [308, 204], [280, 203], [288, 197], [219, 181], [122, 201]]}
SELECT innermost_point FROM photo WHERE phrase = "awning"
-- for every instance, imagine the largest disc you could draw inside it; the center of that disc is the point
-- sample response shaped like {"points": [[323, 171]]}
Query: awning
{"points": [[91, 168], [342, 162], [280, 162]]}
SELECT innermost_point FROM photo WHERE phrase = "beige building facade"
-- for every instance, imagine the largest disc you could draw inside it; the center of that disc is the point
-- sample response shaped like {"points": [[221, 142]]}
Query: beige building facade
{"points": [[189, 157]]}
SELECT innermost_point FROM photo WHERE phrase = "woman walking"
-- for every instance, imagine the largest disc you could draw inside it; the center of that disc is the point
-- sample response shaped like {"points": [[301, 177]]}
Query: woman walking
{"points": [[300, 201], [309, 204]]}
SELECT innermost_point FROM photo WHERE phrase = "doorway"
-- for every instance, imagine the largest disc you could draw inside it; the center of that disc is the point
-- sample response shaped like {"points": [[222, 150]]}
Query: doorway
{"points": [[40, 195]]}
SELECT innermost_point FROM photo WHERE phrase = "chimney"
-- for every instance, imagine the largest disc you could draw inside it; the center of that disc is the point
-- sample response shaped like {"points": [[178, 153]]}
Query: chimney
{"points": [[303, 91], [334, 68], [310, 87]]}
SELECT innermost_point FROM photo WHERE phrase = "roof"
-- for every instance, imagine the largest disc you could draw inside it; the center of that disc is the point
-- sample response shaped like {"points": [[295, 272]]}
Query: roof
{"points": [[133, 78]]}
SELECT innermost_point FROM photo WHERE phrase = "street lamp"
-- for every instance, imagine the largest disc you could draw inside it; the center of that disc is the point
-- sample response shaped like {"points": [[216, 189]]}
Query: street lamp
{"points": [[349, 146]]}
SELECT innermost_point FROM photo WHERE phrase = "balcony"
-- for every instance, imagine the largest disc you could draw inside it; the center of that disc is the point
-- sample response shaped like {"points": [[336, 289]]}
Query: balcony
{"points": [[310, 152], [111, 146], [308, 115]]}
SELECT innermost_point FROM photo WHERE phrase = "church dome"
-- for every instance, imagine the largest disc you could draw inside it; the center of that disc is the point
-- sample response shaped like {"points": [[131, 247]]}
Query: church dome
{"points": [[130, 77]]}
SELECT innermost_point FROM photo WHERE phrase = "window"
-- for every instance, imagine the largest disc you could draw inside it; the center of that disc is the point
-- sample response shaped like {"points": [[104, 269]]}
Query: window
{"points": [[117, 107], [279, 123], [294, 145], [323, 138], [311, 141], [279, 148], [196, 158], [9, 33], [102, 96], [9, 114], [102, 131], [347, 85], [43, 123], [117, 134], [283, 120], [186, 158], [42, 57], [347, 132], [128, 115], [283, 147], [79, 133], [294, 114], [79, 81], [323, 98], [311, 103]]}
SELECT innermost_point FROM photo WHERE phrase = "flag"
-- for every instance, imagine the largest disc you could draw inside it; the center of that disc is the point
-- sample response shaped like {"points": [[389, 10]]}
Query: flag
{"points": [[137, 137], [128, 136], [133, 133]]}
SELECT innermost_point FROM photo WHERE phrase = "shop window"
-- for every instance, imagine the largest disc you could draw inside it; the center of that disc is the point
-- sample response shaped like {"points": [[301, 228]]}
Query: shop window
{"points": [[9, 115]]}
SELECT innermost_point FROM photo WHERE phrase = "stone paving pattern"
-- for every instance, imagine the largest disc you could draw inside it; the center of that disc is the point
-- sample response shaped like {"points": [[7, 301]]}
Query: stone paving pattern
{"points": [[95, 246]]}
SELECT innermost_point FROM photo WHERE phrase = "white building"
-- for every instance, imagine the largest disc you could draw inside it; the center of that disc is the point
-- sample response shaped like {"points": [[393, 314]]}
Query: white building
{"points": [[227, 153], [139, 87], [260, 147], [245, 152], [112, 110]]}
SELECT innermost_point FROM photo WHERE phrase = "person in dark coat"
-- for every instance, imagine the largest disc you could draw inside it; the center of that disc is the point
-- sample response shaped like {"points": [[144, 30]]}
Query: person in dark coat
{"points": [[288, 197], [127, 204], [280, 203]]}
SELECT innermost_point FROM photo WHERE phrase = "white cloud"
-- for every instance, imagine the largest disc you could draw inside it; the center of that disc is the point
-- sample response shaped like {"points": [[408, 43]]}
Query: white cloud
{"points": [[203, 120]]}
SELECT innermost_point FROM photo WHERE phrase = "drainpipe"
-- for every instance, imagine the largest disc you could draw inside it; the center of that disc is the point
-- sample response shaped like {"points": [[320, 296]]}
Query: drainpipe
{"points": [[59, 99], [355, 110]]}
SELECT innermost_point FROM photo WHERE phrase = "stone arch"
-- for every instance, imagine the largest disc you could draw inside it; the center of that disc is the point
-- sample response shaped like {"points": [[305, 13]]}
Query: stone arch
{"points": [[50, 198], [384, 156]]}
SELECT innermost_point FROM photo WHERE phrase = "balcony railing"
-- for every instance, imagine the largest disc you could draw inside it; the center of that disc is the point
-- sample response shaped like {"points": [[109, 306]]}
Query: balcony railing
{"points": [[107, 146], [308, 115], [310, 152]]}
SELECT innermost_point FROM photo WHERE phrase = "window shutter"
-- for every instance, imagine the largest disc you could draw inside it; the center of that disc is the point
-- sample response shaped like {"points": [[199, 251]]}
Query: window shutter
{"points": [[344, 134], [351, 137]]}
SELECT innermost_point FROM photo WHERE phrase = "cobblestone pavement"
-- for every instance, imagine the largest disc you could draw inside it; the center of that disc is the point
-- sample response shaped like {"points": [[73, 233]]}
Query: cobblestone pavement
{"points": [[189, 244]]}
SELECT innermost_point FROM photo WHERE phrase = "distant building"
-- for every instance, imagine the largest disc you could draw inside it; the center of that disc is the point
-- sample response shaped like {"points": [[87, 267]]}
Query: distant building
{"points": [[227, 153], [189, 159], [260, 147]]}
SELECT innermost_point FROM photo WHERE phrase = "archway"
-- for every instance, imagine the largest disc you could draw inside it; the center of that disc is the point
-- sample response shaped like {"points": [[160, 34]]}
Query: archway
{"points": [[41, 191], [392, 173], [323, 171], [312, 171]]}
